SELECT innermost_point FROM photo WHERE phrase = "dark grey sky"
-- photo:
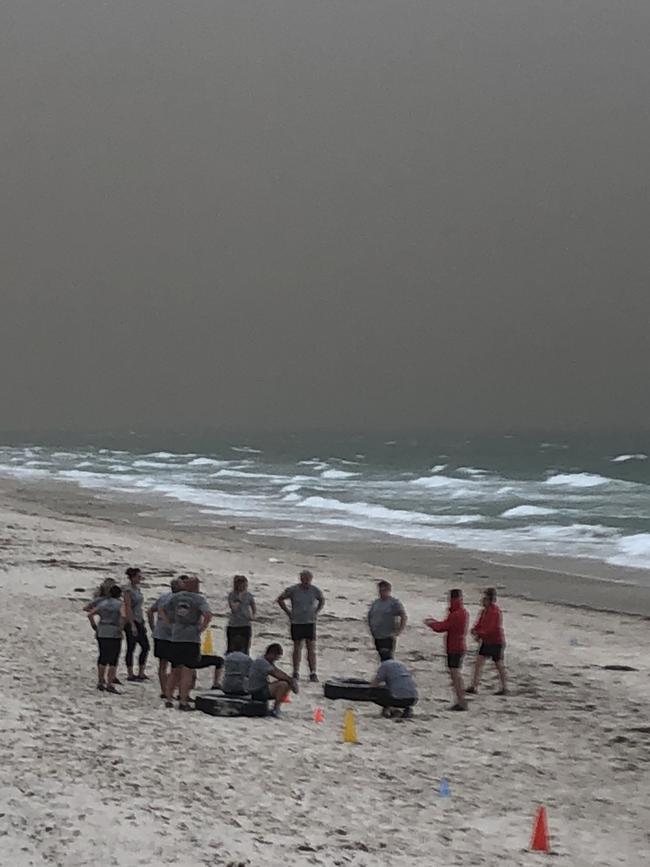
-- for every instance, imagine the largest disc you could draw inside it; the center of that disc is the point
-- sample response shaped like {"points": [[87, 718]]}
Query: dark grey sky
{"points": [[305, 213]]}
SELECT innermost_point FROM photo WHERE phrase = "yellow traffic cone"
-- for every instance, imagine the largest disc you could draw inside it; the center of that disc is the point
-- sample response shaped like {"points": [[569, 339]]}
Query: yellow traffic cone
{"points": [[207, 647], [350, 728]]}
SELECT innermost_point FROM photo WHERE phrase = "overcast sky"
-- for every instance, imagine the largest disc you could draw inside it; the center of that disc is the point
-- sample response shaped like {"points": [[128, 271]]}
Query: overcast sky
{"points": [[310, 213]]}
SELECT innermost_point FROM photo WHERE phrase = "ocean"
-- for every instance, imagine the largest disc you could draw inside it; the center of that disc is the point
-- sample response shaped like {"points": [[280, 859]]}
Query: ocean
{"points": [[579, 496]]}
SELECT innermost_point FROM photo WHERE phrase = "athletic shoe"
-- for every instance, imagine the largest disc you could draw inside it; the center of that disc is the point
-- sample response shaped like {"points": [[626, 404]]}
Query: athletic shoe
{"points": [[117, 682], [100, 687], [133, 678], [169, 704], [111, 688], [186, 707], [502, 692], [141, 677], [275, 713], [296, 675], [458, 707], [407, 713], [471, 691], [385, 713], [313, 677]]}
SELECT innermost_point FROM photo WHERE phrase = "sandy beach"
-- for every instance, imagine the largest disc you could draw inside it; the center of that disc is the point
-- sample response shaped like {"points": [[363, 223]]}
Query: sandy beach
{"points": [[118, 780]]}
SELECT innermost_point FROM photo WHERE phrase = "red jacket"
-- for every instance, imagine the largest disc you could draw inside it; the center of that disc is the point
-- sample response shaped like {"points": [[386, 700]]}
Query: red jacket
{"points": [[455, 626], [488, 626]]}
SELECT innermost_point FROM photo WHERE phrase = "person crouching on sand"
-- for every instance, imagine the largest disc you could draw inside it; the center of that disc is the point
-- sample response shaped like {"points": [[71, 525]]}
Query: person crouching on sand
{"points": [[258, 679], [488, 629], [394, 686], [110, 611], [455, 625]]}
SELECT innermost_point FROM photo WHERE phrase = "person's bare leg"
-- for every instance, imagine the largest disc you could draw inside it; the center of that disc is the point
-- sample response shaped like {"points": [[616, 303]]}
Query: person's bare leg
{"points": [[216, 682], [186, 680], [278, 691], [478, 669], [503, 677], [297, 651], [171, 683], [101, 675], [311, 656], [162, 675], [457, 683]]}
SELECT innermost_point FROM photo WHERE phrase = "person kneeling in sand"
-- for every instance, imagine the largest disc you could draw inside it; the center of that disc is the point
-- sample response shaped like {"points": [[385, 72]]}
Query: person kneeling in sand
{"points": [[455, 625], [258, 680], [237, 667], [488, 629], [394, 686]]}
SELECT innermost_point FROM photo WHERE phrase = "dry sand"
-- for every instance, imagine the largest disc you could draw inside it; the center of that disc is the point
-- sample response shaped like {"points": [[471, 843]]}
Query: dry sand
{"points": [[95, 779]]}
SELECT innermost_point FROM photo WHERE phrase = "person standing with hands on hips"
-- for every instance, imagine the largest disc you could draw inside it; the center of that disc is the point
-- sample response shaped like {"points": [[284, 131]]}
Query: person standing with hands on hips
{"points": [[386, 619], [242, 612], [306, 603]]}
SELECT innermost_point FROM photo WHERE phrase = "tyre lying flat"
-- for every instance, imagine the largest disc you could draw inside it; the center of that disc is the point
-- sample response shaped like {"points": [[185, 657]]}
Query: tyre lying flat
{"points": [[349, 689], [216, 703]]}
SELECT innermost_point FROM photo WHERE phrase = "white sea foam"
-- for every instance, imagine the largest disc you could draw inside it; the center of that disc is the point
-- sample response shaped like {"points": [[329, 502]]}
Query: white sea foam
{"points": [[471, 471], [577, 480], [438, 482], [438, 468], [620, 459], [527, 512], [246, 450], [207, 462], [632, 551], [382, 513], [242, 474], [337, 474]]}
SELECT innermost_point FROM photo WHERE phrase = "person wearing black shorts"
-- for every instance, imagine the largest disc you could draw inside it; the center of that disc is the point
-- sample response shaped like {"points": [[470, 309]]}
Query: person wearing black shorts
{"points": [[393, 687], [455, 627], [162, 633], [109, 637], [488, 630], [189, 615], [242, 613], [386, 619], [306, 603]]}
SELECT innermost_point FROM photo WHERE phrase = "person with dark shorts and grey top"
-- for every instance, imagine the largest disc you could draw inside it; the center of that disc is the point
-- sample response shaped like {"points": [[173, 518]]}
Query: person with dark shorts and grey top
{"points": [[109, 637], [386, 619], [398, 690], [242, 612], [237, 668], [135, 630], [162, 633], [258, 679], [189, 614], [306, 603], [488, 630]]}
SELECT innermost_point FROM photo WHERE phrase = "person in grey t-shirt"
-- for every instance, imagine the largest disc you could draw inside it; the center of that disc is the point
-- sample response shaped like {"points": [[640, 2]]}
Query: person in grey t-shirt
{"points": [[162, 633], [135, 630], [237, 668], [306, 603], [258, 679], [386, 618], [242, 613], [108, 630], [398, 690]]}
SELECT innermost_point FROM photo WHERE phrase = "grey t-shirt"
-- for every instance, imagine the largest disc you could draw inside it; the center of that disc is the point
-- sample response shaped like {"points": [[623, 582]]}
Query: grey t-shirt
{"points": [[185, 609], [258, 676], [162, 630], [110, 618], [304, 601], [237, 668], [382, 615], [242, 614], [136, 602], [397, 678]]}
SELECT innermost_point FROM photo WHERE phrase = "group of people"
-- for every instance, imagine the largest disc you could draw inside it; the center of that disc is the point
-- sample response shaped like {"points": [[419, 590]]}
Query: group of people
{"points": [[179, 618]]}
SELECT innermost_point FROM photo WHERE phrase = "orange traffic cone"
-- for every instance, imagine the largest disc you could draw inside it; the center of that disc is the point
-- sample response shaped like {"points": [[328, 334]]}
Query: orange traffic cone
{"points": [[319, 716], [540, 842]]}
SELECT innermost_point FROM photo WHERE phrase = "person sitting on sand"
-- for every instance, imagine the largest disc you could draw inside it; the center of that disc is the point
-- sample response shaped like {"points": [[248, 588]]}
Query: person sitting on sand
{"points": [[488, 629], [242, 612], [258, 680], [306, 603], [455, 625], [162, 633], [189, 614], [386, 618], [394, 686], [110, 611], [237, 668], [135, 630]]}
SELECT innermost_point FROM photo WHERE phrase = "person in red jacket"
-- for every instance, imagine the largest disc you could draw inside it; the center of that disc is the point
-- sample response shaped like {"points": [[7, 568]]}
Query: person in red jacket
{"points": [[455, 625], [488, 630]]}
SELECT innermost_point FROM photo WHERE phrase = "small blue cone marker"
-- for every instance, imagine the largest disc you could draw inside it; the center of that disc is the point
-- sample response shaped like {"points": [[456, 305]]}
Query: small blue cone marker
{"points": [[444, 791]]}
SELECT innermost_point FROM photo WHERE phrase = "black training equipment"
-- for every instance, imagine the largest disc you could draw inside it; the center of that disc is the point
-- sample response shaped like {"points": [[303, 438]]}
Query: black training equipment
{"points": [[216, 703], [350, 689]]}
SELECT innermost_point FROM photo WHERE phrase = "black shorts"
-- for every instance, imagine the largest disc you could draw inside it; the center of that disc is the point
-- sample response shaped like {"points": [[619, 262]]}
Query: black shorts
{"points": [[261, 694], [455, 660], [207, 662], [383, 698], [303, 631], [385, 644], [109, 651], [491, 651], [162, 649], [187, 653], [242, 632]]}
